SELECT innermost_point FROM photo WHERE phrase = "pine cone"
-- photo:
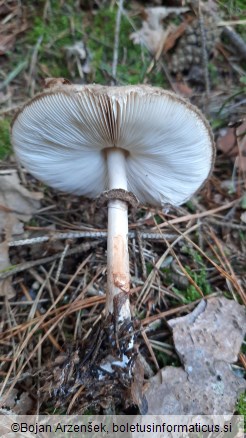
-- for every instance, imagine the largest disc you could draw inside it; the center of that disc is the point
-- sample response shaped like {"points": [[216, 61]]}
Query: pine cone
{"points": [[188, 50]]}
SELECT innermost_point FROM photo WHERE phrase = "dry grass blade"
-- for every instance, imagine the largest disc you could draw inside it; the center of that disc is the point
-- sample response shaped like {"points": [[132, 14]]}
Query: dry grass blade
{"points": [[242, 359], [228, 265], [68, 308], [76, 395], [190, 217], [181, 266], [37, 313], [34, 329], [219, 269], [162, 315], [148, 344], [27, 265], [149, 281], [116, 39]]}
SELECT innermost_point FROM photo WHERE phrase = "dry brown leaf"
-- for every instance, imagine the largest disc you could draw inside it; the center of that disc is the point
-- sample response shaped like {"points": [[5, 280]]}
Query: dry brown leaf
{"points": [[6, 43], [208, 341], [227, 141], [241, 138], [19, 403], [137, 387], [233, 143], [243, 217], [55, 82], [9, 35], [183, 89], [16, 202], [152, 34], [175, 35], [6, 289]]}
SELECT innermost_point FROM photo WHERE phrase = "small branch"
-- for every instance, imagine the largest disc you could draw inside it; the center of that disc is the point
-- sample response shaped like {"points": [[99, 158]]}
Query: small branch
{"points": [[116, 40], [27, 265], [204, 51], [59, 269], [231, 23], [236, 40], [88, 235]]}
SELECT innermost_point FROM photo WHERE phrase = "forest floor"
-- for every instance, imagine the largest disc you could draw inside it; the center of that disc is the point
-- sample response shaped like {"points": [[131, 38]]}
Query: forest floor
{"points": [[48, 306]]}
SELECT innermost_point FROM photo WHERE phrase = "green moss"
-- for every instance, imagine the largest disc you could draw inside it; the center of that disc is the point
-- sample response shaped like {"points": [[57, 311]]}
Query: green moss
{"points": [[5, 144], [190, 206], [233, 7], [199, 274], [64, 24], [165, 359], [241, 405], [213, 74], [53, 35], [133, 61]]}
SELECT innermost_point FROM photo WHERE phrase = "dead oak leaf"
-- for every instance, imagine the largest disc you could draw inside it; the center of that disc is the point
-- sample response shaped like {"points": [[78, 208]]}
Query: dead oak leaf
{"points": [[152, 34], [16, 202], [227, 142], [232, 142], [6, 289], [176, 34], [241, 139], [17, 402]]}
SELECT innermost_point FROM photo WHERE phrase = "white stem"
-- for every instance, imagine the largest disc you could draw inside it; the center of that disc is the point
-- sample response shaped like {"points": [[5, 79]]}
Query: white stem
{"points": [[117, 249]]}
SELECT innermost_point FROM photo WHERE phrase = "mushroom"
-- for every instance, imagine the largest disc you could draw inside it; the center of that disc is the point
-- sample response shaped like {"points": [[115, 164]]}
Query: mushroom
{"points": [[132, 142]]}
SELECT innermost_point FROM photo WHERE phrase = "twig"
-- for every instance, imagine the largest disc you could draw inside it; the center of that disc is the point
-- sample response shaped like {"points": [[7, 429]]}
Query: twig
{"points": [[242, 359], [12, 108], [33, 64], [228, 224], [12, 75], [149, 319], [88, 235], [190, 217], [231, 23], [157, 345], [116, 39], [27, 265], [235, 40], [59, 269], [148, 344], [140, 246], [204, 52]]}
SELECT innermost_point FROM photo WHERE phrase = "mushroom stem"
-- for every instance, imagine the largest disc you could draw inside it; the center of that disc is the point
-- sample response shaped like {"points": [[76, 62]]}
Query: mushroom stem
{"points": [[117, 250]]}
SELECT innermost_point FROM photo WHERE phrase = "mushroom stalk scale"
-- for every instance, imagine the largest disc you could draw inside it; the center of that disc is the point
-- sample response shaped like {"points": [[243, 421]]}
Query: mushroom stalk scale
{"points": [[117, 247]]}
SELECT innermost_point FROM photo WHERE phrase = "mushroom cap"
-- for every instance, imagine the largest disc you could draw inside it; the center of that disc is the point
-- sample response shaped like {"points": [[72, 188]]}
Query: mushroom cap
{"points": [[62, 136]]}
